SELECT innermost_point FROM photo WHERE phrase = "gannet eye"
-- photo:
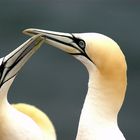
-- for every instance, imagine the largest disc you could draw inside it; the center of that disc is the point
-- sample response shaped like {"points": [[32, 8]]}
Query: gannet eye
{"points": [[82, 44]]}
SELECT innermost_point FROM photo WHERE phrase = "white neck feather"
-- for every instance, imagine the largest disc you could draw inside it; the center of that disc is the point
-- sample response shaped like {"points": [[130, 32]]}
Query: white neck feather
{"points": [[98, 119], [3, 94], [14, 124]]}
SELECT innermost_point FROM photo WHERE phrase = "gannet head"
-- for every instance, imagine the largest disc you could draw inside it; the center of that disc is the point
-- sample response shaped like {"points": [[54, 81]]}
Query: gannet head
{"points": [[13, 62], [92, 49], [100, 54]]}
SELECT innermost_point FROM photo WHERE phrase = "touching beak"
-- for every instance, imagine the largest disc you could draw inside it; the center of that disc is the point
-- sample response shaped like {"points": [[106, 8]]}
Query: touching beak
{"points": [[13, 62], [67, 42]]}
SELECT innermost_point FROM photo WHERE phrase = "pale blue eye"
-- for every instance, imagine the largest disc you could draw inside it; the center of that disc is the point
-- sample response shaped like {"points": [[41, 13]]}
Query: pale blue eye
{"points": [[82, 44]]}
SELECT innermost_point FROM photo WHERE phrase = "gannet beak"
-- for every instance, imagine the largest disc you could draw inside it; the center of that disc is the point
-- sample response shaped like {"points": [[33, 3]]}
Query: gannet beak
{"points": [[13, 62], [67, 42]]}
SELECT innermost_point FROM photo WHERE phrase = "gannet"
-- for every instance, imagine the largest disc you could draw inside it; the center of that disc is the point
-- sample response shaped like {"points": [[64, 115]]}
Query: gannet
{"points": [[21, 121], [107, 70]]}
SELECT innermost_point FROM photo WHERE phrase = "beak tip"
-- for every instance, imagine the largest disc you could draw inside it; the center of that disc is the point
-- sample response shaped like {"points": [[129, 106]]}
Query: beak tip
{"points": [[34, 32], [25, 31], [28, 31]]}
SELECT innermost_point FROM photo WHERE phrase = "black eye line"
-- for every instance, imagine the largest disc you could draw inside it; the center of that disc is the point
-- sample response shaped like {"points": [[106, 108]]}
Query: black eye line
{"points": [[77, 41], [83, 52], [2, 67]]}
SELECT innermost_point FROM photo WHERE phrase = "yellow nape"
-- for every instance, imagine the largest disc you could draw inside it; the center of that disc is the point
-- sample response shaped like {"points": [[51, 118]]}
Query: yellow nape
{"points": [[41, 119]]}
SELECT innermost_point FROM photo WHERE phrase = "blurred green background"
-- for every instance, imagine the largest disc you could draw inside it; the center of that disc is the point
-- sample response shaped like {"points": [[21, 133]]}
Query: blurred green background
{"points": [[55, 81]]}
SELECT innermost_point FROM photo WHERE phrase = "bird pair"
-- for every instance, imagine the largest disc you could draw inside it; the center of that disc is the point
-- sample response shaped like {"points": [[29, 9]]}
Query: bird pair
{"points": [[106, 65]]}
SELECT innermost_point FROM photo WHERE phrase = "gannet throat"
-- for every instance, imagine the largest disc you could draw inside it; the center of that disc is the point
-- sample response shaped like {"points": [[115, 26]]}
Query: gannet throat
{"points": [[106, 65]]}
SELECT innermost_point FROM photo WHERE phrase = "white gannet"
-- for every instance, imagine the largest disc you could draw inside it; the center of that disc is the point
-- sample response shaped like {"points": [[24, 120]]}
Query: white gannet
{"points": [[107, 68], [21, 121]]}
